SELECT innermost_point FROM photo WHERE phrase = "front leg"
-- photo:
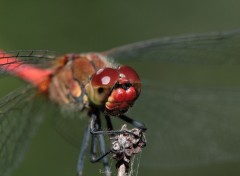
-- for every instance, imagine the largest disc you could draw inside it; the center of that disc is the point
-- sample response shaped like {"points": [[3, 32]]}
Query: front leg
{"points": [[133, 122], [96, 131], [97, 126]]}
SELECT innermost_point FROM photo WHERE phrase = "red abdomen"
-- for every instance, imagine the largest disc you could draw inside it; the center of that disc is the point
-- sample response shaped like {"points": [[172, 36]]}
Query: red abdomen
{"points": [[36, 76]]}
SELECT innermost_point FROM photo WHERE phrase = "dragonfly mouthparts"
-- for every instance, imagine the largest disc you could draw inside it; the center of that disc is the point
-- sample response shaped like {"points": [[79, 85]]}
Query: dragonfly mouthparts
{"points": [[125, 86]]}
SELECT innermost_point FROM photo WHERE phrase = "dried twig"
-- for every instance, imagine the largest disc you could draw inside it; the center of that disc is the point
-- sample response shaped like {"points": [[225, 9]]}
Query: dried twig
{"points": [[122, 170], [124, 146]]}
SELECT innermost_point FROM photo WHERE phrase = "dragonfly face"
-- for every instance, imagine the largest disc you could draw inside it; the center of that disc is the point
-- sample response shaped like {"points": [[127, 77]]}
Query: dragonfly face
{"points": [[115, 89], [89, 79]]}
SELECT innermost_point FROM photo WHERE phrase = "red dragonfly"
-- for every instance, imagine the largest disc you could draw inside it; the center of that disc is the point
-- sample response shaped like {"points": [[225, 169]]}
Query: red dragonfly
{"points": [[82, 81], [191, 96]]}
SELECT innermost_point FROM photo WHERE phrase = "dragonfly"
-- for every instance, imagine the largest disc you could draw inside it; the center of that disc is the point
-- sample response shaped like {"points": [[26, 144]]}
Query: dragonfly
{"points": [[190, 97], [83, 81]]}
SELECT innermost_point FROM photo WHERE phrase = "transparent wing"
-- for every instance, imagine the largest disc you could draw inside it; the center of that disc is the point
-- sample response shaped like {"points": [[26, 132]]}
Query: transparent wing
{"points": [[190, 98], [209, 48], [19, 118], [189, 126], [39, 58], [19, 110], [70, 124]]}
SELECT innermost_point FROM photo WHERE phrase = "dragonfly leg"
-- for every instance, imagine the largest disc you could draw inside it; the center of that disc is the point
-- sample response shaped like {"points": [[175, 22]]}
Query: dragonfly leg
{"points": [[135, 123], [97, 126], [83, 151], [96, 131], [94, 157], [109, 123], [93, 150], [107, 169]]}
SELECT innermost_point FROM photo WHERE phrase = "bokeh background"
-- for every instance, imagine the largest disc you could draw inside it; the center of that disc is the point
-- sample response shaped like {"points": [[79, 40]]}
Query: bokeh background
{"points": [[80, 26]]}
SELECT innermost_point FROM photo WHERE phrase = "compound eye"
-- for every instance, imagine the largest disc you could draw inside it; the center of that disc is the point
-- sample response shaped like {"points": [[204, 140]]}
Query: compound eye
{"points": [[105, 77], [129, 73]]}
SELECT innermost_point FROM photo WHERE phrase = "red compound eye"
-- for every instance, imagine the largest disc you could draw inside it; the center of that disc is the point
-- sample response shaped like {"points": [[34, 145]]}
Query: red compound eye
{"points": [[106, 77], [129, 73]]}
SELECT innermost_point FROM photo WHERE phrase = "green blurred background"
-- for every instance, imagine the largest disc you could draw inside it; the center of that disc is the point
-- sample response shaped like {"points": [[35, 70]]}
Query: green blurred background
{"points": [[80, 26]]}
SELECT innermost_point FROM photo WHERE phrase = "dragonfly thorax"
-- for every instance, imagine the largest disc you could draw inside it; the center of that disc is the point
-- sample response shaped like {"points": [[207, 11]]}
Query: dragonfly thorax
{"points": [[71, 77]]}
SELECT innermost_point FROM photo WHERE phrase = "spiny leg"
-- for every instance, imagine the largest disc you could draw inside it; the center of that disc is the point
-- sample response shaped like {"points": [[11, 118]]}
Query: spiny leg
{"points": [[102, 157], [94, 158], [96, 124], [97, 131], [83, 151], [133, 122], [93, 150], [105, 159], [109, 123]]}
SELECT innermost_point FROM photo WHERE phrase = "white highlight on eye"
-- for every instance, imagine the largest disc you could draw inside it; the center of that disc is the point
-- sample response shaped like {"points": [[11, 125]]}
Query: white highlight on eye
{"points": [[99, 71], [105, 80], [122, 75]]}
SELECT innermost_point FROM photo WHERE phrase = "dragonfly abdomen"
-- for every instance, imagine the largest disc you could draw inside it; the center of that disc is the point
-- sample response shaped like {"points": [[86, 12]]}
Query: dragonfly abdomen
{"points": [[14, 66]]}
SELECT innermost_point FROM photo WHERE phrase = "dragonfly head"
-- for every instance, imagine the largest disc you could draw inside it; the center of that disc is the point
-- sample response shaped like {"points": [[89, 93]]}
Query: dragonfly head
{"points": [[114, 89]]}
